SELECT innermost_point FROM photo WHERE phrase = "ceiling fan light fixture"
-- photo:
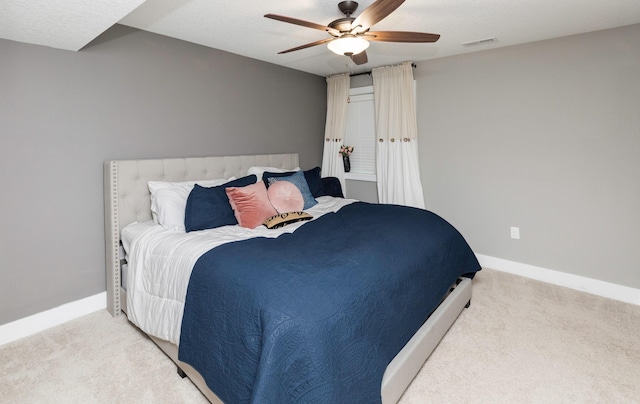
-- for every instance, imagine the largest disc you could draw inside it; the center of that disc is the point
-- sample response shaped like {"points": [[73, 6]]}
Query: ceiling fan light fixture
{"points": [[348, 45]]}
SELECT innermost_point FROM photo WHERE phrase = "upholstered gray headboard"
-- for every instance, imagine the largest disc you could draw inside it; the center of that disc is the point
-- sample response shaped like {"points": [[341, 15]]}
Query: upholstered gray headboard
{"points": [[127, 195]]}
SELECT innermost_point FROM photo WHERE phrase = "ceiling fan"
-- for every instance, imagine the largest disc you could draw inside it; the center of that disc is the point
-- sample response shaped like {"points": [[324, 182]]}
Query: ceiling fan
{"points": [[350, 36]]}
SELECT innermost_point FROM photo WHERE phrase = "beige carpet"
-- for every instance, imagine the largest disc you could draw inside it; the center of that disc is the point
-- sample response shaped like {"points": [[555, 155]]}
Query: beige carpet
{"points": [[521, 341], [524, 341]]}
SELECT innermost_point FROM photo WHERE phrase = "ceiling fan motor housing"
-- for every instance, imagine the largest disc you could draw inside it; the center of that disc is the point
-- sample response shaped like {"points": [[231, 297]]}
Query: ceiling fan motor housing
{"points": [[342, 24]]}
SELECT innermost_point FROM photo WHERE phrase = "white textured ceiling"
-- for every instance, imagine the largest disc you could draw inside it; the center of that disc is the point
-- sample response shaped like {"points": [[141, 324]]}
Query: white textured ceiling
{"points": [[62, 24], [239, 26]]}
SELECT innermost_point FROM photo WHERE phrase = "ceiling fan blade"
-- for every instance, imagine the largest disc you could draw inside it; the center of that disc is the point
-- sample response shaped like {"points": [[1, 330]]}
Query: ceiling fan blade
{"points": [[373, 14], [360, 58], [303, 23], [320, 42], [400, 36]]}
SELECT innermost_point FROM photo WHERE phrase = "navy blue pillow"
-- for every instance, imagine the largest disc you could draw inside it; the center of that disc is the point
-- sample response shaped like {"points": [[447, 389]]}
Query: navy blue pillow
{"points": [[332, 187], [314, 181], [208, 208]]}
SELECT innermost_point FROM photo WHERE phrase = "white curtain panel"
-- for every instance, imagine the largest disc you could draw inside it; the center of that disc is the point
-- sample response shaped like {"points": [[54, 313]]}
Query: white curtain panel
{"points": [[337, 99], [397, 164]]}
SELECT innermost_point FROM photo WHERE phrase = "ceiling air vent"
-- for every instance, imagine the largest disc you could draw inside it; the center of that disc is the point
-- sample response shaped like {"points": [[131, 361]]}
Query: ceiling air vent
{"points": [[480, 42]]}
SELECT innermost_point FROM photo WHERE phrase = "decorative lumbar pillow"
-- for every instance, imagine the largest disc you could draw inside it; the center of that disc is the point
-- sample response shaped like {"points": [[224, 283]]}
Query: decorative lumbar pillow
{"points": [[250, 204], [299, 181], [285, 197], [208, 208], [284, 219], [169, 200]]}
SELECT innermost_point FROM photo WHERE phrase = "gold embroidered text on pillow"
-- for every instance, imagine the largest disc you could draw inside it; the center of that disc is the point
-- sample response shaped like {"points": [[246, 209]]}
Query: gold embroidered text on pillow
{"points": [[284, 219]]}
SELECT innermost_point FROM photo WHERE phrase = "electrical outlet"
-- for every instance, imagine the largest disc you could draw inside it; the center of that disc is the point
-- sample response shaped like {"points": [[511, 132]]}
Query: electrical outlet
{"points": [[515, 233]]}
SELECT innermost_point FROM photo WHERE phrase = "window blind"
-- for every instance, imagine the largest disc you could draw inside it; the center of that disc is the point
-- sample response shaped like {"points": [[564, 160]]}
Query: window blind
{"points": [[360, 131]]}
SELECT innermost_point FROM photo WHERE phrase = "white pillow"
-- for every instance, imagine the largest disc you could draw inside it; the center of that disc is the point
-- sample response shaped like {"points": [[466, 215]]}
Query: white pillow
{"points": [[258, 171], [169, 200]]}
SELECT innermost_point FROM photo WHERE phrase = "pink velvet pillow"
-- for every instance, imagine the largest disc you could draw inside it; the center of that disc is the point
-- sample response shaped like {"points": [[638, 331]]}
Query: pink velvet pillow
{"points": [[250, 204], [285, 197]]}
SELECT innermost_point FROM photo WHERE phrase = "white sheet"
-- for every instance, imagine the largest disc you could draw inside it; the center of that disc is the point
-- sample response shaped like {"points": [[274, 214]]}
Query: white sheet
{"points": [[160, 263]]}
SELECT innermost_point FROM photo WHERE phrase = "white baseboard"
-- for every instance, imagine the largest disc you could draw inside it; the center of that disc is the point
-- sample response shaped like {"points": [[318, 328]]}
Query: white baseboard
{"points": [[39, 322], [581, 283]]}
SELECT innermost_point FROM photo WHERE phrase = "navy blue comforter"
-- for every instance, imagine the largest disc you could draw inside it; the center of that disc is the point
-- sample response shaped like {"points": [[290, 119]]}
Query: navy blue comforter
{"points": [[317, 315]]}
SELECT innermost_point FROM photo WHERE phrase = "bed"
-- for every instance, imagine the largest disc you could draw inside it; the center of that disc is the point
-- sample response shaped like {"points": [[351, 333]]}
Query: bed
{"points": [[128, 206]]}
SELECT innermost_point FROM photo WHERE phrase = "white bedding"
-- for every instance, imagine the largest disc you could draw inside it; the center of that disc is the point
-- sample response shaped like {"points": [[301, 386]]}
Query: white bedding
{"points": [[160, 263]]}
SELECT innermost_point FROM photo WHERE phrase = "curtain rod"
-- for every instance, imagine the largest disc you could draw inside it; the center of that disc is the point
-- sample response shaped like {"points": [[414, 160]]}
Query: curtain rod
{"points": [[369, 72]]}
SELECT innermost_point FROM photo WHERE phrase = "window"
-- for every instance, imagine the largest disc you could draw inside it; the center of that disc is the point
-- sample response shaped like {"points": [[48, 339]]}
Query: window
{"points": [[361, 134]]}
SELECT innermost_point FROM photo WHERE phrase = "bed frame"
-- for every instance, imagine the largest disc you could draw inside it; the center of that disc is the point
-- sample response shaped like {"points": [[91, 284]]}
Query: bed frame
{"points": [[127, 200]]}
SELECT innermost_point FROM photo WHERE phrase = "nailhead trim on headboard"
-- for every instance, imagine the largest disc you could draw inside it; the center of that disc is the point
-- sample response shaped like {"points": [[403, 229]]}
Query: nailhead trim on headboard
{"points": [[113, 242]]}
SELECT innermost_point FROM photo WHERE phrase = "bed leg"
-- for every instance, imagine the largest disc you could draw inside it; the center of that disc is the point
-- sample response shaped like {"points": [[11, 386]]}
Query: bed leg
{"points": [[466, 306], [181, 372]]}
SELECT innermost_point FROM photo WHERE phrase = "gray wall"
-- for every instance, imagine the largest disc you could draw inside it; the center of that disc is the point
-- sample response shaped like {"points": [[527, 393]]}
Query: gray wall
{"points": [[129, 94], [362, 190], [546, 137]]}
